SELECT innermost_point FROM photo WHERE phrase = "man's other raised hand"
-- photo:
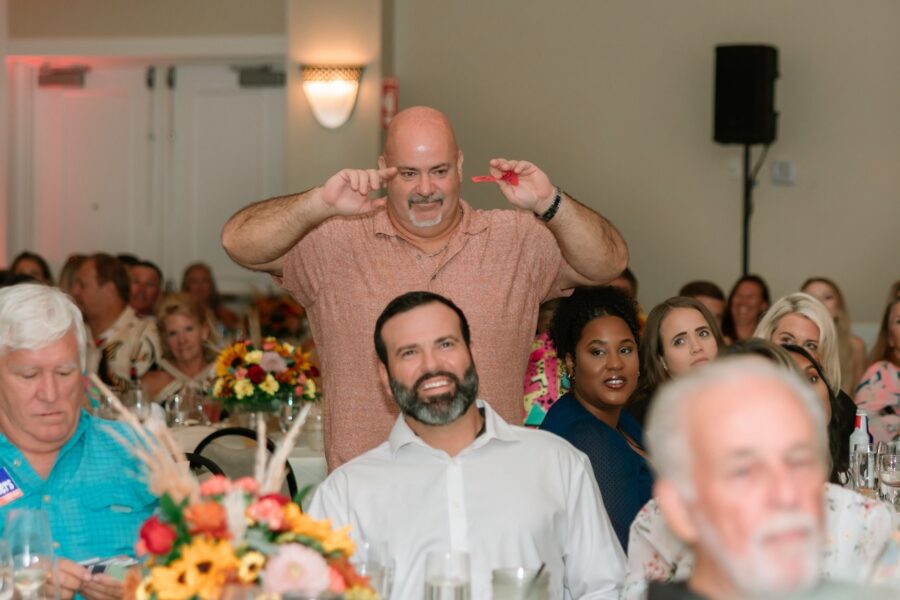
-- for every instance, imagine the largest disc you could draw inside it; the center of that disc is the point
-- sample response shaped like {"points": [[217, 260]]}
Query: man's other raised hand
{"points": [[346, 193]]}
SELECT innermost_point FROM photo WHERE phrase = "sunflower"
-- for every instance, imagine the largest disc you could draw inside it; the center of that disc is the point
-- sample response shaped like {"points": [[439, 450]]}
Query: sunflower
{"points": [[209, 564], [251, 564], [171, 582], [230, 357]]}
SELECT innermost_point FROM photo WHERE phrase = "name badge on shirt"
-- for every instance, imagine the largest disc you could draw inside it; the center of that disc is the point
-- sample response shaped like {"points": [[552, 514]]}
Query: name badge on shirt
{"points": [[9, 491]]}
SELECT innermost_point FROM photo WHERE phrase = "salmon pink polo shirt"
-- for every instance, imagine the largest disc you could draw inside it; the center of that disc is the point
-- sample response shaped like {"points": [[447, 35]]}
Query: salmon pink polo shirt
{"points": [[498, 267]]}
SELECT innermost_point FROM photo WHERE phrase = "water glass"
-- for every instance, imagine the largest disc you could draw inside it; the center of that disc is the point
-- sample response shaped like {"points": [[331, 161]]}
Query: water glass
{"points": [[6, 572], [889, 479], [31, 549], [176, 415], [863, 461], [447, 576], [138, 402], [374, 560], [520, 583], [288, 412]]}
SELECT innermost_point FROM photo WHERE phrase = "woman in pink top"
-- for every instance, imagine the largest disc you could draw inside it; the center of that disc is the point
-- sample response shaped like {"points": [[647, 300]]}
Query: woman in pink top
{"points": [[879, 391]]}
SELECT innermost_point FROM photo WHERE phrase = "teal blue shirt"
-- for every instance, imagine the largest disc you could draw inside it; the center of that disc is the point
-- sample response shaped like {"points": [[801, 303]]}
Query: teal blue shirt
{"points": [[95, 496]]}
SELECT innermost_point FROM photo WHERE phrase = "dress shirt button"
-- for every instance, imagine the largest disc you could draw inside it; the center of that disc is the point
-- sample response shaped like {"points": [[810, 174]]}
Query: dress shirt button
{"points": [[17, 463], [46, 498], [56, 545]]}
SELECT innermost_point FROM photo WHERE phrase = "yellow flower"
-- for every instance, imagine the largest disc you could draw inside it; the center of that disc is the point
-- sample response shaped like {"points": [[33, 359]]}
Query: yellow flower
{"points": [[227, 356], [253, 358], [339, 541], [302, 524], [251, 564], [144, 589], [310, 386], [209, 564], [288, 348], [171, 583], [360, 593], [217, 387], [243, 388], [270, 386]]}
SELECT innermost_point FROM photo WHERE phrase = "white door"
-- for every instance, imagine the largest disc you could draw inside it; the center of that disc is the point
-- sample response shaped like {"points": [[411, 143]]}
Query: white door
{"points": [[154, 170], [90, 166], [228, 151]]}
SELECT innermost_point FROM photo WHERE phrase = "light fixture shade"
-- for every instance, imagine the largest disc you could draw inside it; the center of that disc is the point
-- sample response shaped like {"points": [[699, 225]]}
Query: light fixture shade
{"points": [[331, 91]]}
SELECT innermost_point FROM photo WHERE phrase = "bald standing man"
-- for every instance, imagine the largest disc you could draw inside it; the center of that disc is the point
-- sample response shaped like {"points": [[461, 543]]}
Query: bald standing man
{"points": [[344, 255]]}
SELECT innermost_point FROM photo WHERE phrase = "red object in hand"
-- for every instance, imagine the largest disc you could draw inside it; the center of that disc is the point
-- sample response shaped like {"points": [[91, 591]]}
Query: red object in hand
{"points": [[510, 177]]}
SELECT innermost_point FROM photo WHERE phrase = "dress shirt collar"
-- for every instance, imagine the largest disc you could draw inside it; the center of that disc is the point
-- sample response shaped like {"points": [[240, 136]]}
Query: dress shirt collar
{"points": [[472, 222], [495, 428]]}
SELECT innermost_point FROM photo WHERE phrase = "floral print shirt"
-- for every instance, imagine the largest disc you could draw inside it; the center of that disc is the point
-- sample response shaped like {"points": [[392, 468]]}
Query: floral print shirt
{"points": [[861, 545]]}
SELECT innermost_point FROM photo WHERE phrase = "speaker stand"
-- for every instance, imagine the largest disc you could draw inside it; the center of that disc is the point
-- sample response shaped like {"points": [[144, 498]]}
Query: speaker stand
{"points": [[749, 181]]}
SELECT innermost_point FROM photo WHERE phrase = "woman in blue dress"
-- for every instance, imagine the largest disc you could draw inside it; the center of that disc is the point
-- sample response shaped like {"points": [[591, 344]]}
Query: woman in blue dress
{"points": [[595, 331]]}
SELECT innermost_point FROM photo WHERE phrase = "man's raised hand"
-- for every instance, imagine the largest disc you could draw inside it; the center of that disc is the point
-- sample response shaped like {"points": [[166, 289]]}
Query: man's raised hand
{"points": [[533, 191], [346, 192]]}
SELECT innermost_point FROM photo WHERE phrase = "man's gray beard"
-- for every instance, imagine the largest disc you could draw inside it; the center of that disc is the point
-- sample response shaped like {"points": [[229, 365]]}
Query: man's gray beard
{"points": [[754, 575], [440, 409], [417, 199]]}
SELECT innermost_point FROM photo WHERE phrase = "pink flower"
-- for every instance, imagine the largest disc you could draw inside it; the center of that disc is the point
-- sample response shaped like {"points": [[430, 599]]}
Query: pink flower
{"points": [[268, 512], [240, 373], [296, 569], [336, 581], [269, 345], [270, 361], [215, 486], [247, 484]]}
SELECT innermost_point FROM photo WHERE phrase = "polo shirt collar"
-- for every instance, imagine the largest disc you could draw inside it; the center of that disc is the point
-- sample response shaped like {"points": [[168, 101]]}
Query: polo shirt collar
{"points": [[473, 221], [495, 428]]}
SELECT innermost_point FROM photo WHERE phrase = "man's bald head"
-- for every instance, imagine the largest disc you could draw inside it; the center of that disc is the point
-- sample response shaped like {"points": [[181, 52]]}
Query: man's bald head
{"points": [[415, 125]]}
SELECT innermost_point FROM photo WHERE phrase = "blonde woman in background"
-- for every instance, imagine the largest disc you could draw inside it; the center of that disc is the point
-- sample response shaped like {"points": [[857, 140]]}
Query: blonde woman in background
{"points": [[187, 360], [801, 320], [851, 348]]}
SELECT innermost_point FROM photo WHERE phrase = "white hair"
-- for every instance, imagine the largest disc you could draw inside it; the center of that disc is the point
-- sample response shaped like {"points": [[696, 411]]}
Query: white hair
{"points": [[33, 316], [667, 432], [807, 306]]}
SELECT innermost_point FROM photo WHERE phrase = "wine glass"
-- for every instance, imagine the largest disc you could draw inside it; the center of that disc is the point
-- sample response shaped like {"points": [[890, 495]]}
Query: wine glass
{"points": [[889, 479], [31, 549], [373, 560], [6, 572]]}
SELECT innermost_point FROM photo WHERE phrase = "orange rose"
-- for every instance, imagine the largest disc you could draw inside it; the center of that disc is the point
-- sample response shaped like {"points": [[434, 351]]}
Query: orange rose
{"points": [[207, 517]]}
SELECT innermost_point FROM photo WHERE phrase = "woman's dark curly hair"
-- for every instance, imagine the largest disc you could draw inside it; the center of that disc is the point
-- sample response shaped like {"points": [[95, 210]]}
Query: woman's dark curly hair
{"points": [[583, 306]]}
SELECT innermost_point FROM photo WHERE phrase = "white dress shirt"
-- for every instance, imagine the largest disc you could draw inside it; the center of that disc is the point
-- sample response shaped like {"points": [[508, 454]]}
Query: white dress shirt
{"points": [[515, 497]]}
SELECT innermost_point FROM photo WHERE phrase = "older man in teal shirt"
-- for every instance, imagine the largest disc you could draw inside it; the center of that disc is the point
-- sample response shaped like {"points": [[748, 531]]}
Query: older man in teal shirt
{"points": [[53, 455]]}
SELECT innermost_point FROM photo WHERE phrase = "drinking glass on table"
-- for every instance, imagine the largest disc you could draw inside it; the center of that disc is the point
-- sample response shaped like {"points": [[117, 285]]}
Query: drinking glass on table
{"points": [[889, 479], [447, 576], [31, 549], [6, 572], [519, 583], [374, 560]]}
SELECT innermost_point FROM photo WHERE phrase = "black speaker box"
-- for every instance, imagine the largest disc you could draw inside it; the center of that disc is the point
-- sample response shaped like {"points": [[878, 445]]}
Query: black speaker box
{"points": [[745, 94]]}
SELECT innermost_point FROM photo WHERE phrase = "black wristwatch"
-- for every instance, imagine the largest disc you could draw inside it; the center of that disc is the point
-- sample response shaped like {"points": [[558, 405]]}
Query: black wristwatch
{"points": [[554, 206]]}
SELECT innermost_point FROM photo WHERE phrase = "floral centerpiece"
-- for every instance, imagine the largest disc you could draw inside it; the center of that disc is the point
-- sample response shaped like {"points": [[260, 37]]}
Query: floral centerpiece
{"points": [[260, 379], [233, 535], [279, 316], [207, 536]]}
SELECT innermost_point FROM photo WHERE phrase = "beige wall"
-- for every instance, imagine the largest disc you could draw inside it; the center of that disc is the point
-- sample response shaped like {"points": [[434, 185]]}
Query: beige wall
{"points": [[143, 18], [613, 98], [334, 32]]}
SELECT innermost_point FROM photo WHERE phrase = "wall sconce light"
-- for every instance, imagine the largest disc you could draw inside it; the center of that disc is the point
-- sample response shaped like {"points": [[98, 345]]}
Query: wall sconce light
{"points": [[331, 91]]}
